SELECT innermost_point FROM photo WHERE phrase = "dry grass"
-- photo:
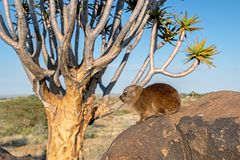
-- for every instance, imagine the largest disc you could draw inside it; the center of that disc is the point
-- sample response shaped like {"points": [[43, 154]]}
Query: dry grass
{"points": [[105, 130]]}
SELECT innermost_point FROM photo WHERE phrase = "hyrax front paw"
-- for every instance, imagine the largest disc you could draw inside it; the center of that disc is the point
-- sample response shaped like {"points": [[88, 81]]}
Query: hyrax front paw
{"points": [[140, 121]]}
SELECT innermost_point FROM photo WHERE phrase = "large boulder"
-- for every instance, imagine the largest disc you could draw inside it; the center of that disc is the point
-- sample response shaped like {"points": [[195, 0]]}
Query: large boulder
{"points": [[209, 129], [148, 140]]}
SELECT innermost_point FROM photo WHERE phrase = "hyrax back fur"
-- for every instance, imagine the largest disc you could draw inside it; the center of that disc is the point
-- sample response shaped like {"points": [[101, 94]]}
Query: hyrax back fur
{"points": [[154, 100]]}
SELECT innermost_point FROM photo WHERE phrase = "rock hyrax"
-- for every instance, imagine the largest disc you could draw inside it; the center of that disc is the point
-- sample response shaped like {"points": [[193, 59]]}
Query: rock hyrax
{"points": [[154, 100]]}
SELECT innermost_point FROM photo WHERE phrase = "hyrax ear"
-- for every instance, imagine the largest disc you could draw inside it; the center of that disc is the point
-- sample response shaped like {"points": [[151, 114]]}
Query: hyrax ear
{"points": [[138, 88]]}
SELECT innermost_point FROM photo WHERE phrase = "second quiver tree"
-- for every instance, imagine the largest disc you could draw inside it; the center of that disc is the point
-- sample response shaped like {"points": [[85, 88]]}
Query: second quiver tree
{"points": [[46, 36]]}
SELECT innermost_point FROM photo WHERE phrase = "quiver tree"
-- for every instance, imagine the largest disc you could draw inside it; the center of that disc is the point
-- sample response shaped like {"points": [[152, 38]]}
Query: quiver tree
{"points": [[46, 36]]}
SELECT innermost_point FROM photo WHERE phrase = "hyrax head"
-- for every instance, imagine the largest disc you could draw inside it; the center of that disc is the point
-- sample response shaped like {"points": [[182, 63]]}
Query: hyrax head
{"points": [[131, 94]]}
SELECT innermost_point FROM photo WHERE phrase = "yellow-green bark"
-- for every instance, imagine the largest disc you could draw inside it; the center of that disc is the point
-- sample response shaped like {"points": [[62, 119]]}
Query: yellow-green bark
{"points": [[67, 122]]}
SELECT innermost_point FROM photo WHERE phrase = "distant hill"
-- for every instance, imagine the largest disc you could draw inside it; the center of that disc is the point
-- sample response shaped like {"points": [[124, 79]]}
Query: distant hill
{"points": [[13, 96]]}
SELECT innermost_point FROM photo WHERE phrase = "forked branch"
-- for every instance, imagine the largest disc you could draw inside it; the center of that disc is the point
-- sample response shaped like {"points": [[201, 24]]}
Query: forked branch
{"points": [[163, 70]]}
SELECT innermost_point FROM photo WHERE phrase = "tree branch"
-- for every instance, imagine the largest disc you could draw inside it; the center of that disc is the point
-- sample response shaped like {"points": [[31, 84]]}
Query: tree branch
{"points": [[144, 66], [22, 24], [65, 48], [94, 12], [106, 90], [104, 42], [118, 71], [181, 74], [45, 54], [116, 22], [84, 13], [38, 72], [175, 51], [65, 17], [103, 19], [115, 49], [53, 20], [141, 27], [36, 30], [5, 35], [153, 45], [143, 14], [29, 41], [9, 20], [77, 38]]}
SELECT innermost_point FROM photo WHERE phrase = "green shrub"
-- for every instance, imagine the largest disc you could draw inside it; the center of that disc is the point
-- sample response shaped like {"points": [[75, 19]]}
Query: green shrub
{"points": [[22, 115]]}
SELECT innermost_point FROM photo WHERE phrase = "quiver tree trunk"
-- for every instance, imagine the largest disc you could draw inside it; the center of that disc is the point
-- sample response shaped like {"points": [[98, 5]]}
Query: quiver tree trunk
{"points": [[68, 119]]}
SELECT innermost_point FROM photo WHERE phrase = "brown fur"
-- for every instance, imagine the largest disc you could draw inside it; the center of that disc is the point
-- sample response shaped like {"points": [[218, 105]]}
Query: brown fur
{"points": [[154, 100]]}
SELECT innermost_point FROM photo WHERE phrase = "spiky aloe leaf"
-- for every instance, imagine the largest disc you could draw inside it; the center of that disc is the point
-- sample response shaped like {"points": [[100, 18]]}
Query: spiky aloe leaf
{"points": [[168, 33], [186, 24], [166, 25], [200, 52]]}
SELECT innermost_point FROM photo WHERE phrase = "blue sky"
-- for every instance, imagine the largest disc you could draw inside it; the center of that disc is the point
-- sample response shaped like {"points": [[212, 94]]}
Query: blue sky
{"points": [[221, 23]]}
